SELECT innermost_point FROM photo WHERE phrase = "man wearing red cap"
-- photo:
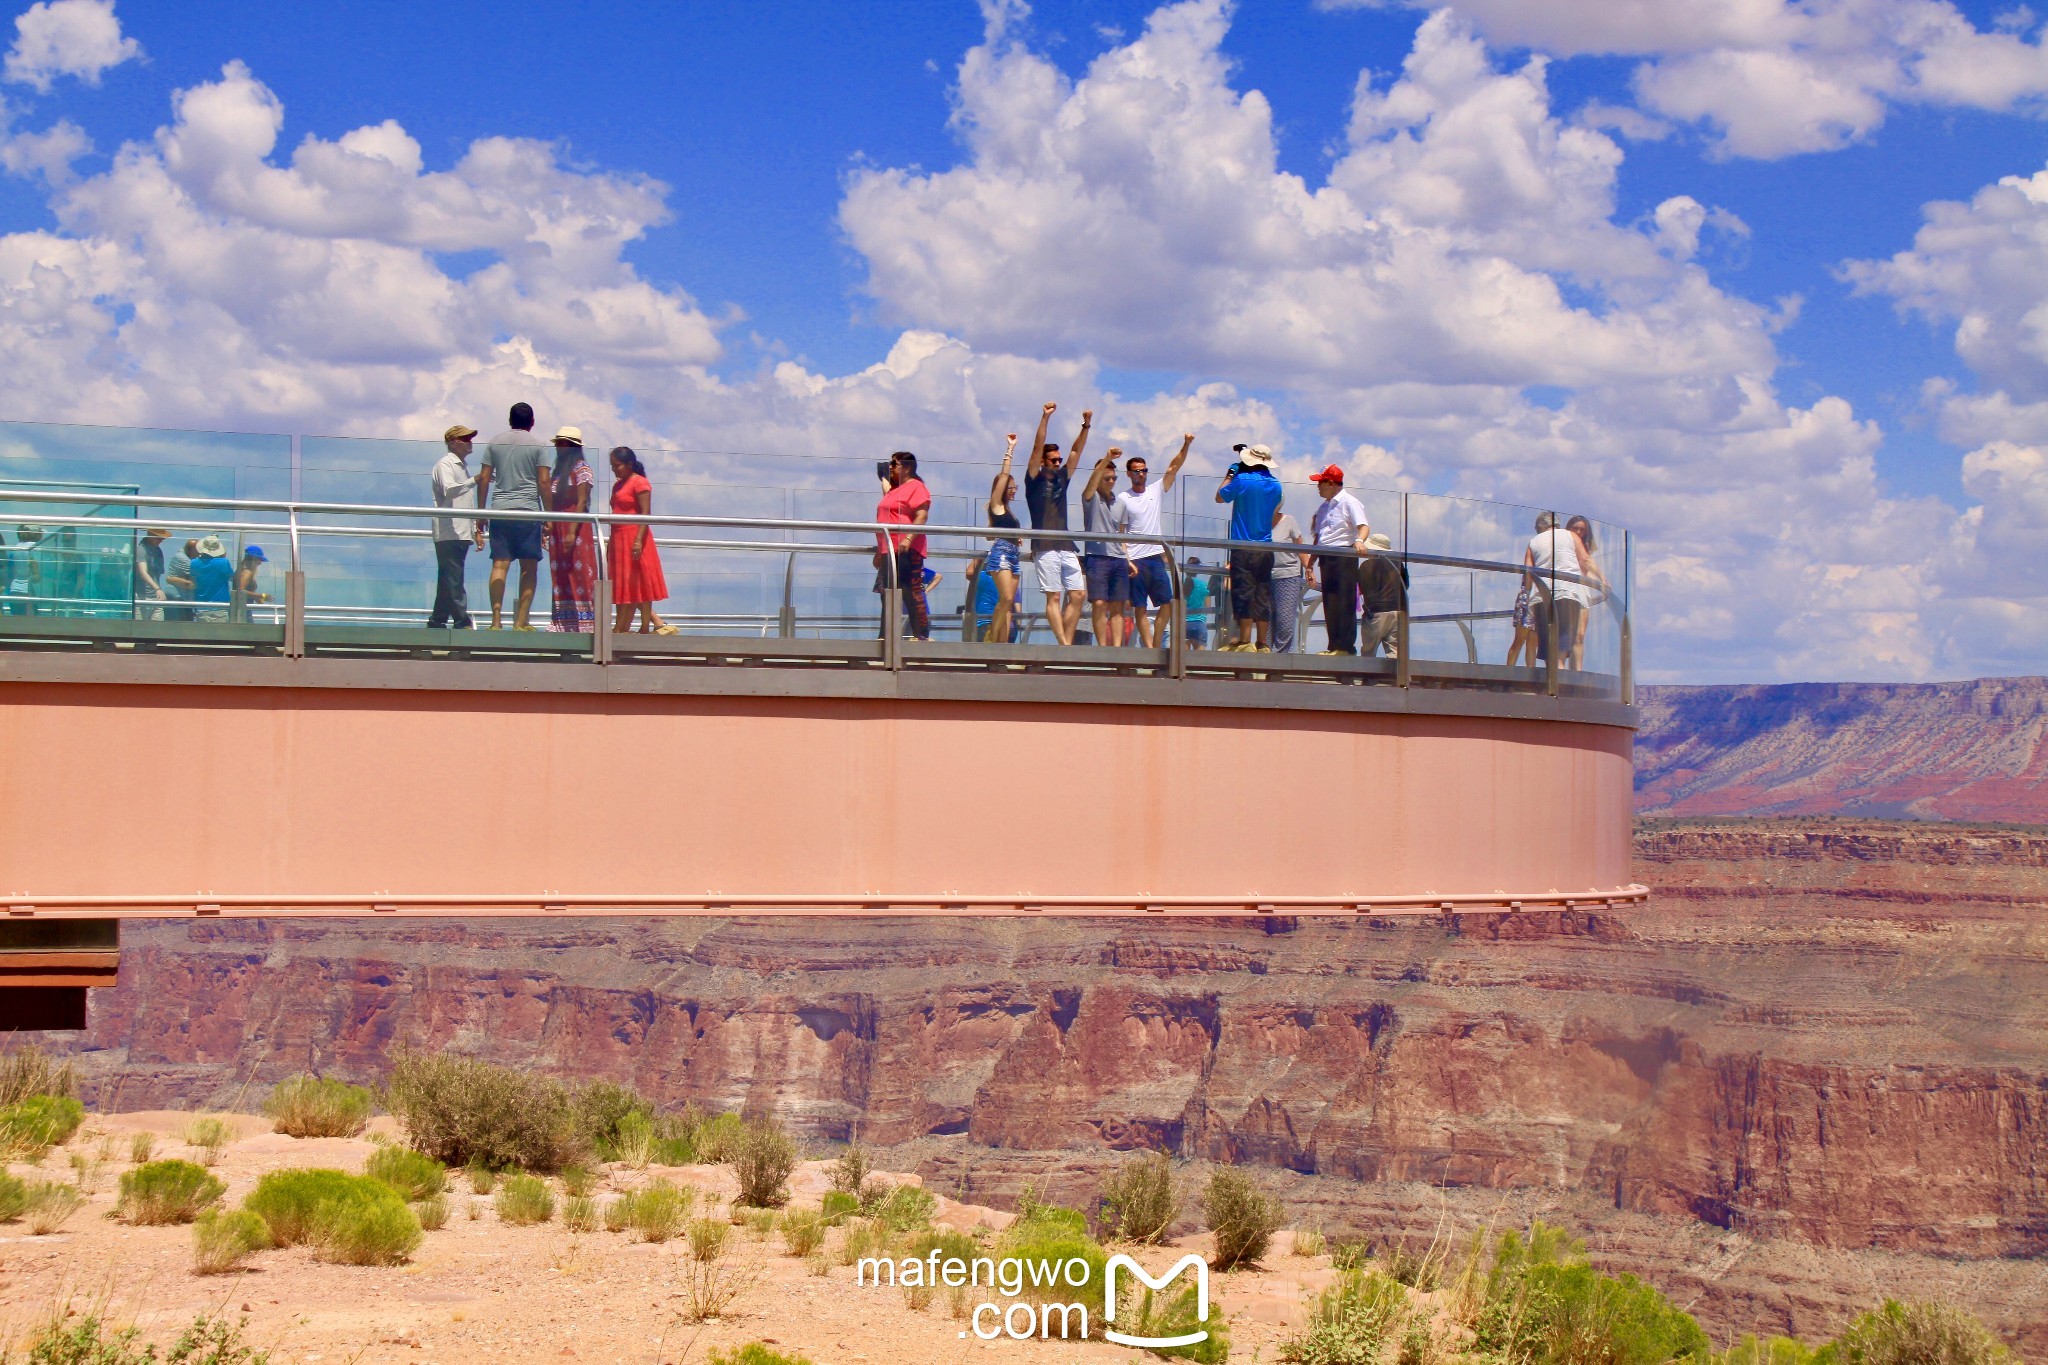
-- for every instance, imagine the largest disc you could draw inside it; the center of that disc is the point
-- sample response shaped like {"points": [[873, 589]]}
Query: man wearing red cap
{"points": [[1338, 529]]}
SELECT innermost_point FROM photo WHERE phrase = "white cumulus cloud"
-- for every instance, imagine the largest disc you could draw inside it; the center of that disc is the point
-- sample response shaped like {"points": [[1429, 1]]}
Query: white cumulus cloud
{"points": [[80, 38]]}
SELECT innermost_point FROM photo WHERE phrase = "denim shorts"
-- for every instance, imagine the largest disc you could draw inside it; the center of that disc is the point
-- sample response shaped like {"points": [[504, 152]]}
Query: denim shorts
{"points": [[1002, 557], [515, 540], [1151, 584], [1109, 578]]}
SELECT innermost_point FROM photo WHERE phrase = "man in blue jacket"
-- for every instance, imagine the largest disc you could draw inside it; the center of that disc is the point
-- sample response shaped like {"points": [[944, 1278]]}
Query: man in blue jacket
{"points": [[1254, 495]]}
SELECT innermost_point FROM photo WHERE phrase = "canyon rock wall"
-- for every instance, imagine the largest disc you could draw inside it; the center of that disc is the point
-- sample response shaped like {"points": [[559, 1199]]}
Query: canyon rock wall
{"points": [[1930, 751], [1830, 1035]]}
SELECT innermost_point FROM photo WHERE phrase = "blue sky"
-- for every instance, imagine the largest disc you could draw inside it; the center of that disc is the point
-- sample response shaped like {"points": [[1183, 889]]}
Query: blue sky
{"points": [[847, 220]]}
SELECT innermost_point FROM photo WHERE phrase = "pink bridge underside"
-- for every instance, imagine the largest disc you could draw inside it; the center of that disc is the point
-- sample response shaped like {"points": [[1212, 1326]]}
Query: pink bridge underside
{"points": [[166, 799]]}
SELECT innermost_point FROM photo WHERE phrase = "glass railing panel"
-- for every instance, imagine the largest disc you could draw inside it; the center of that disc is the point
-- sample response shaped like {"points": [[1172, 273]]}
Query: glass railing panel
{"points": [[384, 574]]}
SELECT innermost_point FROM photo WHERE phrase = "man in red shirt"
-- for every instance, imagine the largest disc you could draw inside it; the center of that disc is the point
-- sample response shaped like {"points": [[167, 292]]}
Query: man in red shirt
{"points": [[905, 502]]}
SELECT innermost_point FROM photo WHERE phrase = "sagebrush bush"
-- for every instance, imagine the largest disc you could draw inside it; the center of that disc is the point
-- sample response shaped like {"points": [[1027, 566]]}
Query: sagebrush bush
{"points": [[413, 1174], [762, 1160], [49, 1205], [1754, 1350], [463, 1111], [432, 1212], [660, 1210], [223, 1238], [1243, 1217], [1045, 1238], [602, 1109], [718, 1137], [141, 1146], [27, 1071], [1350, 1323], [72, 1338], [211, 1136], [755, 1353], [482, 1179], [1897, 1333], [1310, 1242], [851, 1170], [1176, 1314], [368, 1232], [803, 1231], [13, 1197], [838, 1206], [579, 1213], [578, 1182], [862, 1238], [315, 1106], [166, 1192], [1545, 1304], [523, 1200], [293, 1201], [708, 1237], [1142, 1200], [36, 1123], [907, 1208]]}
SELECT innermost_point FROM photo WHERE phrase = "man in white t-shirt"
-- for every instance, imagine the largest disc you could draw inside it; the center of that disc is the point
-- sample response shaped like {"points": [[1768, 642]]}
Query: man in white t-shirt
{"points": [[1338, 528], [1138, 509]]}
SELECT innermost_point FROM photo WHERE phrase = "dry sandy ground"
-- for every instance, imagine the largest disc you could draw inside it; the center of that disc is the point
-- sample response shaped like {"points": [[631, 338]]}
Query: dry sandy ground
{"points": [[478, 1290]]}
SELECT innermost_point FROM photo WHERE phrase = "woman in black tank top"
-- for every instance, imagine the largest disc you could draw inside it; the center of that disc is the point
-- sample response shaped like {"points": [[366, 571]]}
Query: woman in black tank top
{"points": [[1002, 560]]}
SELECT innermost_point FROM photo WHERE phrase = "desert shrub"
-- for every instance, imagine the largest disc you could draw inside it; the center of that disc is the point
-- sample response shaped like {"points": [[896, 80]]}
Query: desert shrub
{"points": [[1031, 1210], [906, 1208], [463, 1111], [1243, 1217], [223, 1238], [1897, 1333], [368, 1231], [413, 1174], [13, 1197], [851, 1170], [838, 1206], [712, 1283], [1310, 1242], [659, 1212], [803, 1231], [602, 1108], [39, 1122], [49, 1204], [634, 1143], [862, 1237], [1174, 1315], [1045, 1239], [29, 1071], [579, 1213], [432, 1212], [918, 1297], [85, 1172], [1755, 1350], [292, 1202], [482, 1179], [708, 1238], [761, 1223], [675, 1140], [316, 1106], [618, 1215], [523, 1200], [211, 1136], [1350, 1322], [1417, 1269], [578, 1181], [166, 1192], [141, 1146], [1141, 1200], [72, 1338], [754, 1353], [718, 1137], [1544, 1304], [762, 1160]]}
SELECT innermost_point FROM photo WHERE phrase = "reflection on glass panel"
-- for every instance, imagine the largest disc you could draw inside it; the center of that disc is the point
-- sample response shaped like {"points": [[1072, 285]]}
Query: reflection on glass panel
{"points": [[82, 566]]}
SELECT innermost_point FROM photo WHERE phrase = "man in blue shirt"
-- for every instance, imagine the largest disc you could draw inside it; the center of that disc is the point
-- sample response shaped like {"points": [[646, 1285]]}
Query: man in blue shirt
{"points": [[1254, 495]]}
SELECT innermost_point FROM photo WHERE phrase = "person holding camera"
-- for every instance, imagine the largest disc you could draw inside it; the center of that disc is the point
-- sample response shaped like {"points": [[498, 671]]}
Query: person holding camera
{"points": [[1253, 492]]}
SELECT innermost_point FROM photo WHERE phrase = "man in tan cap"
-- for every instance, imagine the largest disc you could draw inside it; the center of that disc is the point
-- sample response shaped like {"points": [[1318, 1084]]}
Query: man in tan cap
{"points": [[454, 488]]}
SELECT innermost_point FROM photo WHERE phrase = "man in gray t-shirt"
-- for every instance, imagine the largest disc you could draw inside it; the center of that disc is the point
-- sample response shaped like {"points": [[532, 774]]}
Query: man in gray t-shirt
{"points": [[515, 475]]}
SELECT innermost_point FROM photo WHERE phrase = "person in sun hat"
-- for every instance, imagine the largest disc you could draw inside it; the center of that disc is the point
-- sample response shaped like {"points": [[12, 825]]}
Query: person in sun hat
{"points": [[453, 486], [515, 476], [572, 545], [1254, 496], [212, 578], [246, 592], [1383, 583], [1339, 528]]}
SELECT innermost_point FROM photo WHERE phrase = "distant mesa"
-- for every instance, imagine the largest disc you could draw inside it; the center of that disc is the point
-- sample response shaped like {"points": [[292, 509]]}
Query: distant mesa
{"points": [[1971, 751]]}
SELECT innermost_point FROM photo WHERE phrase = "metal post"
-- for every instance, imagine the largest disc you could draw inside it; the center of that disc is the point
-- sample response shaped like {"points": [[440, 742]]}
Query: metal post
{"points": [[295, 614], [1177, 616], [1550, 625], [892, 610], [785, 624], [1628, 653]]}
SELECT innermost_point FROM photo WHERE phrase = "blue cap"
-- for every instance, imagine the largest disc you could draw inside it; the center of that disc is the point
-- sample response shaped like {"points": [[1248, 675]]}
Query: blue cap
{"points": [[255, 552]]}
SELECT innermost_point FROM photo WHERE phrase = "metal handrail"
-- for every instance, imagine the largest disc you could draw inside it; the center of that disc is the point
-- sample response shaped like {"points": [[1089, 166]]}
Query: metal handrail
{"points": [[294, 509]]}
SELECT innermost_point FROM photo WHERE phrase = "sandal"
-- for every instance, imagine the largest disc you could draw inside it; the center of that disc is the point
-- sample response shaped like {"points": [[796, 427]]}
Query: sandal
{"points": [[667, 629]]}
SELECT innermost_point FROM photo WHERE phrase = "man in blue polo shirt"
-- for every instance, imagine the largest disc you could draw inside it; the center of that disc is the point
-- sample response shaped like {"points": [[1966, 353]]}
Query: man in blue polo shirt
{"points": [[1254, 495]]}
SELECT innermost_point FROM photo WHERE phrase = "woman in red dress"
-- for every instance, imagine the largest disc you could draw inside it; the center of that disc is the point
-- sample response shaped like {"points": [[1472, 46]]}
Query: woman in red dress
{"points": [[572, 545], [637, 583]]}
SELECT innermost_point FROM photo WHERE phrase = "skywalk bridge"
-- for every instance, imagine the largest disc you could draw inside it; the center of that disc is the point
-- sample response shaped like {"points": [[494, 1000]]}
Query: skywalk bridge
{"points": [[317, 750]]}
